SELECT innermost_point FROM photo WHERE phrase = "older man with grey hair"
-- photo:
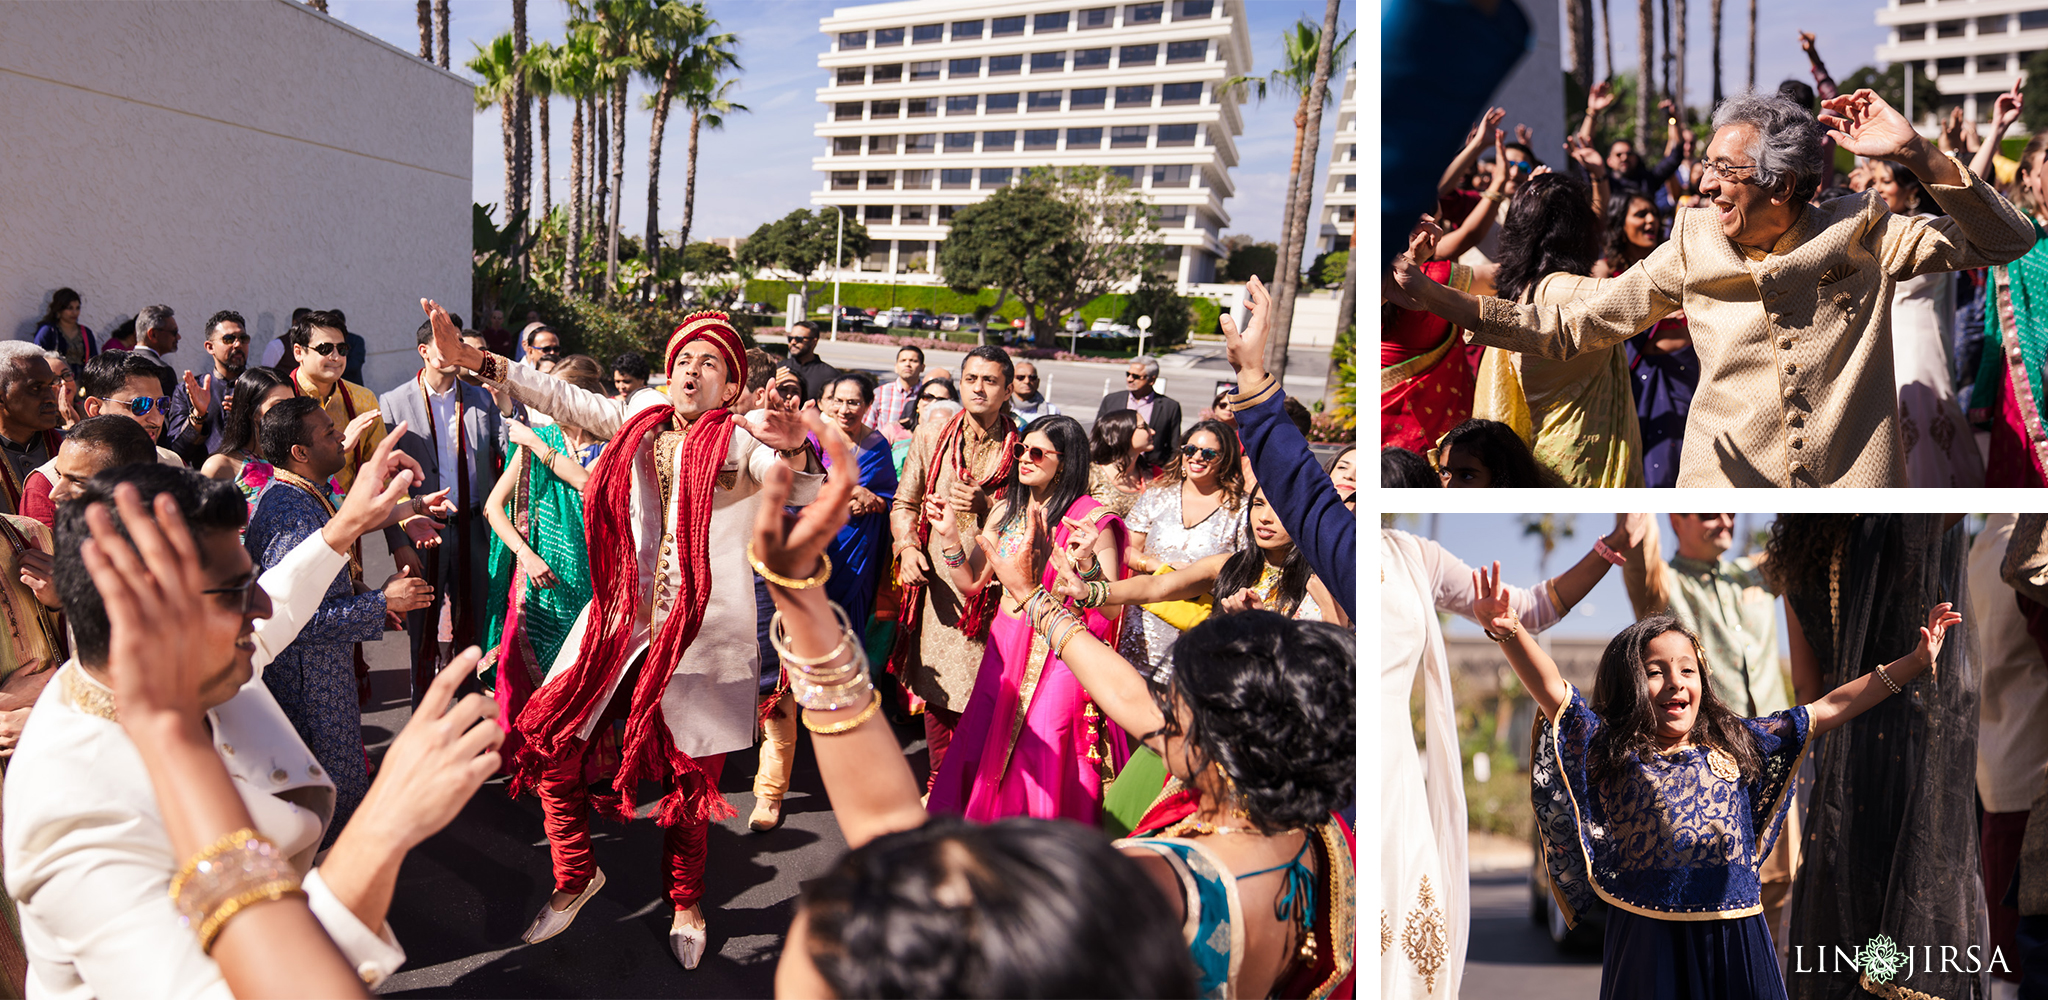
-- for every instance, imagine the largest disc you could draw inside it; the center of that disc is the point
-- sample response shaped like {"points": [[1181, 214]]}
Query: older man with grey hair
{"points": [[1140, 393], [28, 418], [156, 334], [1789, 303]]}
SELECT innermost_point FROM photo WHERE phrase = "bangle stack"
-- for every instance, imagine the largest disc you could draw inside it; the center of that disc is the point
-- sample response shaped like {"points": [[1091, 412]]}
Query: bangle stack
{"points": [[1093, 572], [1097, 596], [1887, 679], [235, 873], [955, 558], [1052, 620], [819, 684], [789, 583]]}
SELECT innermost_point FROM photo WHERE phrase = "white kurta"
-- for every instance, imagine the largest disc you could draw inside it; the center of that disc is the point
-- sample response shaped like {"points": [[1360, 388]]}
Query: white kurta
{"points": [[88, 860], [1941, 449], [711, 698]]}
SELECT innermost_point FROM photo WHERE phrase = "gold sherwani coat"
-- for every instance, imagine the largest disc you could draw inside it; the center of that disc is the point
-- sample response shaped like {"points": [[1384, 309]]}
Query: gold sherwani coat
{"points": [[1795, 346]]}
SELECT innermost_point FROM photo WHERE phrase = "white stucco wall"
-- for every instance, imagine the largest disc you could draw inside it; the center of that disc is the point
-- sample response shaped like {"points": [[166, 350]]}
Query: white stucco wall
{"points": [[216, 154], [1533, 94]]}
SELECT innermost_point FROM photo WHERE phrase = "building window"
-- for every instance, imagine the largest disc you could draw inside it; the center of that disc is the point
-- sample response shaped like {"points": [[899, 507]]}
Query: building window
{"points": [[1993, 25], [1948, 29], [959, 142], [1163, 216], [1917, 32], [1144, 13], [1949, 67], [1188, 9], [955, 179], [1100, 17], [881, 145], [853, 40], [916, 215], [1991, 64], [1174, 175], [1084, 138], [890, 73], [1176, 135], [1005, 65], [888, 36], [925, 33], [1091, 59], [1134, 96], [846, 145], [846, 111], [872, 214], [1091, 97], [924, 70], [852, 75], [1137, 55], [921, 107], [1179, 52], [999, 104], [926, 142], [966, 29], [995, 176], [1044, 23], [881, 180], [878, 256], [963, 67], [917, 180], [1044, 100], [961, 104], [1128, 175], [845, 180], [2032, 19], [1346, 213], [992, 141], [1350, 182], [946, 211], [1004, 26], [1042, 138], [1180, 93], [1125, 136], [883, 109], [1048, 62]]}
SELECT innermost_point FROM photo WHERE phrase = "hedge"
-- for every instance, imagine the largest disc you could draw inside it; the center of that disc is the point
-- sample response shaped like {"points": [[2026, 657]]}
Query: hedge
{"points": [[940, 299]]}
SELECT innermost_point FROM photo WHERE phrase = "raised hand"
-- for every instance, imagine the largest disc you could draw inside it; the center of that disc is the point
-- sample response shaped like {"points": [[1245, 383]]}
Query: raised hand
{"points": [[444, 753], [1864, 124], [1246, 348], [523, 436], [1081, 538], [380, 483], [794, 545], [1486, 122], [1600, 97], [199, 392], [151, 585], [1806, 42], [2006, 110], [778, 428], [1066, 582], [1016, 570], [1939, 618], [404, 591], [1633, 528], [1491, 603], [357, 427], [1524, 134]]}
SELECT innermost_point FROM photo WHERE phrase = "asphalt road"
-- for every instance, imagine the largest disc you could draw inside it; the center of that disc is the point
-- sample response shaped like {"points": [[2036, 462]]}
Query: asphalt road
{"points": [[1510, 956]]}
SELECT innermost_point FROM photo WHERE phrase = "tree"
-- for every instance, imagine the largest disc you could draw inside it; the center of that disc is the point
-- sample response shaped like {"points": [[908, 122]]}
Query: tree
{"points": [[1578, 15], [708, 108], [1752, 44], [802, 243], [1678, 61], [426, 18], [542, 61], [680, 55], [499, 67], [1308, 124], [706, 259], [1252, 259], [575, 77], [522, 135], [620, 26], [1158, 297], [1891, 85], [2033, 93], [1645, 74], [1054, 240], [441, 33], [1607, 37], [1714, 18]]}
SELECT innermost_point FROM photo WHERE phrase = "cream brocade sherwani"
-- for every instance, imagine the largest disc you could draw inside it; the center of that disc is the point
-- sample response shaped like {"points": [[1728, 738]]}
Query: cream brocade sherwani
{"points": [[1796, 383]]}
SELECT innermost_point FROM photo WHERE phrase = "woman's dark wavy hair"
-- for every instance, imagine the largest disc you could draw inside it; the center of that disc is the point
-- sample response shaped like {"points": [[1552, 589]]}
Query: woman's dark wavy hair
{"points": [[1229, 468], [1245, 566], [238, 424], [1923, 203], [1110, 439], [1017, 908], [59, 301], [1500, 449], [1550, 228], [1069, 484], [909, 418], [1621, 697], [1270, 702], [1400, 467], [1618, 251], [1802, 549]]}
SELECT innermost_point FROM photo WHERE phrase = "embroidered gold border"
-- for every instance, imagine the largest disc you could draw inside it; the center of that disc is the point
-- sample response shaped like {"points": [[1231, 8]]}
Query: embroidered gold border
{"points": [[1392, 376], [2022, 387], [1892, 992]]}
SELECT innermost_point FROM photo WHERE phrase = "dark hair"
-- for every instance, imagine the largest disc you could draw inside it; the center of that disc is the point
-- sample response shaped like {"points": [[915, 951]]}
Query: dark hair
{"points": [[1619, 252], [284, 427], [207, 504], [123, 331], [1923, 203], [914, 349], [108, 372], [909, 418], [1525, 151], [1401, 469], [865, 381], [238, 424], [425, 334], [809, 326], [803, 388], [1798, 93], [1110, 439], [1270, 702], [298, 314], [123, 440], [760, 368], [1069, 484], [633, 365], [1297, 413], [224, 316], [994, 355], [1550, 227], [1621, 697], [1802, 550], [1017, 908], [1499, 448], [60, 300], [1229, 470], [301, 332], [1245, 566]]}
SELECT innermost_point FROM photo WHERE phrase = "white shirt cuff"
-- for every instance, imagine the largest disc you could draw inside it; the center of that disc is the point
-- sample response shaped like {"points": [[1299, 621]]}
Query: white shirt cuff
{"points": [[374, 956]]}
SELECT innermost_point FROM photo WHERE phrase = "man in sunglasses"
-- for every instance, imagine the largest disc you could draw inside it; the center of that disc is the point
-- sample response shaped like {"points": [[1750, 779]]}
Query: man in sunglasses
{"points": [[1160, 412], [543, 347], [1026, 402], [126, 384], [156, 333], [197, 405], [320, 346], [816, 372]]}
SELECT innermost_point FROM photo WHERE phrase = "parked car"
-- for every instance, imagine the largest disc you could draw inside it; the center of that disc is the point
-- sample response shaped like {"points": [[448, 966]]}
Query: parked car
{"points": [[951, 321], [850, 319], [920, 319]]}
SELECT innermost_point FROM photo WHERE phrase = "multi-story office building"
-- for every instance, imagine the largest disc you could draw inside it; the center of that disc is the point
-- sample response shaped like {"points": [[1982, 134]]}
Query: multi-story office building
{"points": [[1973, 49], [931, 105], [1340, 194]]}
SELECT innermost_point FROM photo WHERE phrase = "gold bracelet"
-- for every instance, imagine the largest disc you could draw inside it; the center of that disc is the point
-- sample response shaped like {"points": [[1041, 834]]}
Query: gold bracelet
{"points": [[211, 851], [788, 583], [1059, 649], [269, 892], [1882, 675], [833, 729]]}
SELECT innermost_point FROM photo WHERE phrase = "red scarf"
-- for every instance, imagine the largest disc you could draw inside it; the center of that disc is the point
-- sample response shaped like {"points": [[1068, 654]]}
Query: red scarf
{"points": [[980, 608], [558, 710]]}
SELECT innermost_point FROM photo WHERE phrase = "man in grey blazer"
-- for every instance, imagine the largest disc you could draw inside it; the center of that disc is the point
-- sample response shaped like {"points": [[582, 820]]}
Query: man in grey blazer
{"points": [[457, 436], [1162, 413]]}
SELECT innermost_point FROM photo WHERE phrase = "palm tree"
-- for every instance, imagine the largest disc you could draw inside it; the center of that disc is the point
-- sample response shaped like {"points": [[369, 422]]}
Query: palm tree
{"points": [[1714, 15], [522, 133], [701, 86], [574, 77], [426, 18], [665, 53], [499, 68], [539, 71], [1678, 62], [1578, 16], [441, 33], [1646, 80], [618, 27], [1606, 38], [708, 109], [1752, 44]]}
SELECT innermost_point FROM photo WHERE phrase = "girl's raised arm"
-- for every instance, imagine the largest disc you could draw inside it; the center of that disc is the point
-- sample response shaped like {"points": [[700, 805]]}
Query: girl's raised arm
{"points": [[1534, 666], [1862, 694]]}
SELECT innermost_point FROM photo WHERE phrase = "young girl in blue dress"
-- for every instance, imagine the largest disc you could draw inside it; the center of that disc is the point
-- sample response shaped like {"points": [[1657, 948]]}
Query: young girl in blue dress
{"points": [[1656, 799]]}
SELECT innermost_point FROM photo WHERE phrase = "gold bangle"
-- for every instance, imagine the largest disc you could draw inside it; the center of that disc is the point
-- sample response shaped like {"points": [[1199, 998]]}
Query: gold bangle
{"points": [[789, 583], [1513, 631], [213, 850], [268, 892], [835, 728]]}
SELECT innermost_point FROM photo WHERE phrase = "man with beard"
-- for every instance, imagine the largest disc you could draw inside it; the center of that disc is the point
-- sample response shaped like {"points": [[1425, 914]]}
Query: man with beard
{"points": [[198, 403]]}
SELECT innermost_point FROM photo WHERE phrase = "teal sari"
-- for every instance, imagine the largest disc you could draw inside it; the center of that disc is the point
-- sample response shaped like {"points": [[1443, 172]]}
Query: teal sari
{"points": [[527, 624]]}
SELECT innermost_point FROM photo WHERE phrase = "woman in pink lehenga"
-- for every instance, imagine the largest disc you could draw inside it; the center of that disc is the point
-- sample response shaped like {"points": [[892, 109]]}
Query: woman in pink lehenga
{"points": [[1031, 742]]}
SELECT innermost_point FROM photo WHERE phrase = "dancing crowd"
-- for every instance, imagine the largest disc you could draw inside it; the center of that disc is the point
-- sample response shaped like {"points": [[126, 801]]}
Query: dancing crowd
{"points": [[1670, 808], [1127, 650], [1742, 313]]}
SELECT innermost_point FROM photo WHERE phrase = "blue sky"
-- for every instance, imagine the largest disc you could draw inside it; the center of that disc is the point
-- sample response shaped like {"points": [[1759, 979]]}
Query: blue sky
{"points": [[1847, 35], [759, 167]]}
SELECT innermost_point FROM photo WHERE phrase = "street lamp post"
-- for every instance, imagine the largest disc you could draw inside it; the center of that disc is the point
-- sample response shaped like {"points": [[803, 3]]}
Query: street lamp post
{"points": [[1074, 333], [1144, 324]]}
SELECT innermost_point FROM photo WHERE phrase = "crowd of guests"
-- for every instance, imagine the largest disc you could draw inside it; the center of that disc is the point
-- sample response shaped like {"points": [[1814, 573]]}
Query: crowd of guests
{"points": [[1599, 323], [645, 569]]}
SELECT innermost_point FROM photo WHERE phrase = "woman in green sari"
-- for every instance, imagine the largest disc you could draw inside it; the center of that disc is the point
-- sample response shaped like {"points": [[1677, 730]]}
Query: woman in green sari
{"points": [[540, 573]]}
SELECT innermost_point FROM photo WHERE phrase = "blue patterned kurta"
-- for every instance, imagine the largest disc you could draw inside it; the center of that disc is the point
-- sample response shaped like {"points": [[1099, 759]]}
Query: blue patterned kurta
{"points": [[314, 678]]}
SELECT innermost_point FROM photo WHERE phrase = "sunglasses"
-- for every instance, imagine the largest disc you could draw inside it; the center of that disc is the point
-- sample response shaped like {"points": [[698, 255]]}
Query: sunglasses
{"points": [[140, 405], [1033, 453], [247, 591], [326, 350], [1028, 378], [1134, 376], [1207, 454], [934, 399], [1709, 517], [550, 349]]}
